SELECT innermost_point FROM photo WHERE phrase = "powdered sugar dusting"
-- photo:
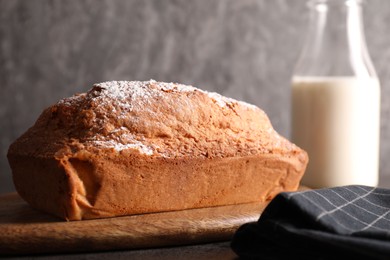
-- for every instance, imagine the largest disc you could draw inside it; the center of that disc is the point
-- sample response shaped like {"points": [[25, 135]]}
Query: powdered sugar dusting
{"points": [[143, 149], [122, 90], [121, 139], [138, 93], [138, 90], [110, 104], [174, 87], [126, 94], [217, 98], [220, 100]]}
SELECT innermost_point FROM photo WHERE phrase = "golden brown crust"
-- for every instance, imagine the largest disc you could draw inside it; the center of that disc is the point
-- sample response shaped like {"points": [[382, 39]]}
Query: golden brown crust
{"points": [[135, 147]]}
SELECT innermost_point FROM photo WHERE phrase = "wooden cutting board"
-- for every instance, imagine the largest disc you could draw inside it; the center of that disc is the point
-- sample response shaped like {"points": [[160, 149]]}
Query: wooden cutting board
{"points": [[24, 230]]}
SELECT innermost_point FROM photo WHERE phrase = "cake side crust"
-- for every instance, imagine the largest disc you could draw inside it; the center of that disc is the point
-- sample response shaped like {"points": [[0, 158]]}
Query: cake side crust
{"points": [[89, 187]]}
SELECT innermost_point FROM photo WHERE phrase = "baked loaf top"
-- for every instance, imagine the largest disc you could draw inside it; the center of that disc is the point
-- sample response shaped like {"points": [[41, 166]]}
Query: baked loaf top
{"points": [[155, 119]]}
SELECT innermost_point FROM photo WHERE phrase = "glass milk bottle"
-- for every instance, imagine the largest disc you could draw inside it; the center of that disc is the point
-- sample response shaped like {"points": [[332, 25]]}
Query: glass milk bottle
{"points": [[336, 98]]}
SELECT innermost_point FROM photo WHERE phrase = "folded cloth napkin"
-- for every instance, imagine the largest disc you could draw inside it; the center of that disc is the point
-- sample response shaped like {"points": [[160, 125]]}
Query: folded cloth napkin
{"points": [[332, 223]]}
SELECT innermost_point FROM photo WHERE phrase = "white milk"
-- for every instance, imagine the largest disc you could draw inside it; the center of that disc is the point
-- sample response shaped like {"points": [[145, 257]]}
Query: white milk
{"points": [[337, 121]]}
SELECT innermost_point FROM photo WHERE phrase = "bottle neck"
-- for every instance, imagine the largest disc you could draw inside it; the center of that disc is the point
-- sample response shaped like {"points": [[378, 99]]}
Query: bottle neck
{"points": [[335, 44]]}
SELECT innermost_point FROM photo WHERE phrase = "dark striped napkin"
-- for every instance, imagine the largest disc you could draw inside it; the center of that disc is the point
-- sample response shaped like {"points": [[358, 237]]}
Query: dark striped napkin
{"points": [[340, 222]]}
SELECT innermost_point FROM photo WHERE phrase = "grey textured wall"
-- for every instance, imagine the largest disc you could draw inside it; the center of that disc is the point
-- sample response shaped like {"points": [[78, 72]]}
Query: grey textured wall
{"points": [[246, 49]]}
